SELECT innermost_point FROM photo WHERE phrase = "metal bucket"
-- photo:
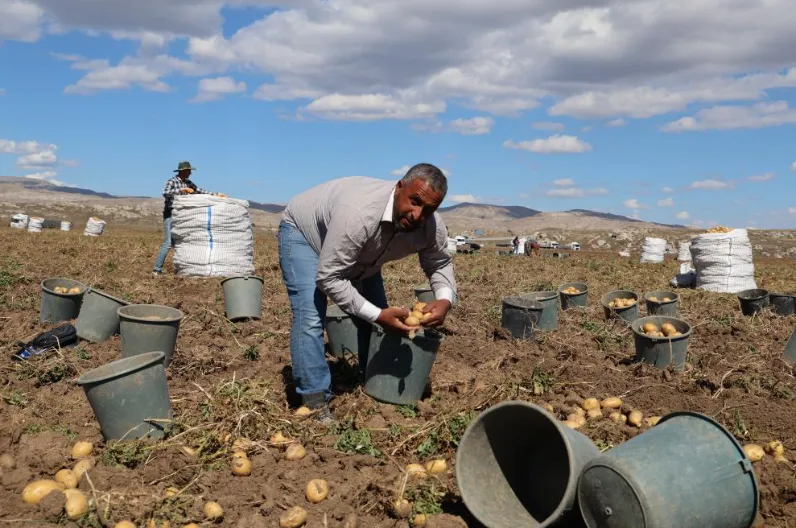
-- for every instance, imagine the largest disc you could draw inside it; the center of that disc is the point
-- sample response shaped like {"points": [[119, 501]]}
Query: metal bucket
{"points": [[60, 307], [753, 301], [662, 351], [549, 299], [574, 300], [661, 307], [243, 297], [518, 466], [520, 316], [342, 332], [99, 317], [149, 328], [628, 314], [130, 397], [686, 472]]}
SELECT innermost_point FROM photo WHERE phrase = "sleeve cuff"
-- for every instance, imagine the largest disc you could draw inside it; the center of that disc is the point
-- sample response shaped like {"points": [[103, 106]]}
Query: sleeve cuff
{"points": [[369, 312], [444, 293]]}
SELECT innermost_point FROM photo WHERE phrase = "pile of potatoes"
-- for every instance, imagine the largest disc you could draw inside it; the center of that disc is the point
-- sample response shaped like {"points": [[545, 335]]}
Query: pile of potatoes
{"points": [[666, 330], [65, 482], [622, 303], [67, 291], [402, 508], [719, 229], [594, 409], [416, 318], [571, 290], [755, 453], [657, 300]]}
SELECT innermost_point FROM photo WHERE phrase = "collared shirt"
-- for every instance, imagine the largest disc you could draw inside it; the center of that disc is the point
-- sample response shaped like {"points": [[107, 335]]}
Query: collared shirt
{"points": [[174, 187], [349, 223]]}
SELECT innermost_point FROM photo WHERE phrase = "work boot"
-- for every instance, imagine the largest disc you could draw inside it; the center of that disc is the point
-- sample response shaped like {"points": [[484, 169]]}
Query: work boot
{"points": [[316, 402]]}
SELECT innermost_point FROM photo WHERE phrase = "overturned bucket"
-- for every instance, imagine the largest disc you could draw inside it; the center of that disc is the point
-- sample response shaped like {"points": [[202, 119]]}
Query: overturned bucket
{"points": [[99, 317], [662, 351], [342, 332], [517, 465], [424, 294], [753, 301], [130, 397], [549, 317], [662, 303], [243, 297], [520, 316], [627, 314], [60, 306], [573, 295], [398, 368], [688, 471], [148, 328], [783, 303]]}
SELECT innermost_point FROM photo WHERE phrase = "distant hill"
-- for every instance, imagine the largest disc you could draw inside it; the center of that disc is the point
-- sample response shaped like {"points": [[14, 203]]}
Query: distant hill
{"points": [[76, 204]]}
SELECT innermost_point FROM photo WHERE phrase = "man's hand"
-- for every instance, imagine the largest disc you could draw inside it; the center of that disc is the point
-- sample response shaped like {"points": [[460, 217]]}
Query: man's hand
{"points": [[393, 318], [221, 195], [187, 190], [438, 310]]}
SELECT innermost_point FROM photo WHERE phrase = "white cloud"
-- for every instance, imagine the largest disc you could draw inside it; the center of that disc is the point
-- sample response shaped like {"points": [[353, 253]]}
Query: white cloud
{"points": [[48, 176], [35, 160], [728, 117], [793, 166], [575, 192], [682, 215], [548, 125], [762, 177], [372, 58], [711, 185], [792, 210], [668, 190], [616, 123], [371, 107], [8, 146], [556, 144], [401, 172], [213, 89], [564, 182], [461, 198], [666, 202], [633, 203], [472, 127]]}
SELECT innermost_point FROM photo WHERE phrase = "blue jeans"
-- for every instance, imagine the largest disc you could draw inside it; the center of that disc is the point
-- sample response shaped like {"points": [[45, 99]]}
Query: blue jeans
{"points": [[164, 248], [299, 264]]}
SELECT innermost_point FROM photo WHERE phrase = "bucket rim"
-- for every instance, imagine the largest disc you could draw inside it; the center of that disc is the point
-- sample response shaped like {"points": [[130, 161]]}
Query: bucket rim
{"points": [[101, 293], [638, 323], [426, 288], [436, 335], [150, 321], [84, 287], [568, 284], [759, 292], [336, 312], [541, 296], [514, 300], [138, 362], [244, 277], [572, 486], [782, 294], [675, 297], [735, 442]]}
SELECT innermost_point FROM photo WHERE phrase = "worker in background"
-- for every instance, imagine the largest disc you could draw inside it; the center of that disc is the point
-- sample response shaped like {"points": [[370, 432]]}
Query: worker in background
{"points": [[334, 240], [515, 244], [532, 246], [179, 184]]}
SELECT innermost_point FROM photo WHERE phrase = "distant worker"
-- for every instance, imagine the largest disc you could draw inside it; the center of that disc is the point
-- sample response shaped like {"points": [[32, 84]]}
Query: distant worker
{"points": [[532, 246], [515, 244], [334, 240], [179, 184]]}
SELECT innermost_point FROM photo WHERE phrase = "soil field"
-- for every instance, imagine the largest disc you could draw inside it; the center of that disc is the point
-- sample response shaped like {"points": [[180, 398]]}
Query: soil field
{"points": [[227, 381]]}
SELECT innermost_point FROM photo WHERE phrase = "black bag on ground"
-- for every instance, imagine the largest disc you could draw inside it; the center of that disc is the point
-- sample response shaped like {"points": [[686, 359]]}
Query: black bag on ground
{"points": [[59, 337]]}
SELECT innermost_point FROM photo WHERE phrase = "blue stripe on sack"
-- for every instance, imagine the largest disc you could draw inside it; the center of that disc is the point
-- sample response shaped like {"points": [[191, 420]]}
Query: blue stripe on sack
{"points": [[209, 222]]}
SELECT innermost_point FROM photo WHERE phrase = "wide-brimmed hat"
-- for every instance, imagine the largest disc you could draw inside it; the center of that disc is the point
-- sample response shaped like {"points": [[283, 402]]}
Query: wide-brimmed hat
{"points": [[184, 165]]}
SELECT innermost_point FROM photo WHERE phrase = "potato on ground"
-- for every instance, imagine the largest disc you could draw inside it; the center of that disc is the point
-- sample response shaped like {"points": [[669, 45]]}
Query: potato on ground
{"points": [[295, 517], [317, 490]]}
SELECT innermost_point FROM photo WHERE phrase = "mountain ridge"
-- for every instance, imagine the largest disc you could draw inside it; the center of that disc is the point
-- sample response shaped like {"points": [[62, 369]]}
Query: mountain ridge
{"points": [[465, 216]]}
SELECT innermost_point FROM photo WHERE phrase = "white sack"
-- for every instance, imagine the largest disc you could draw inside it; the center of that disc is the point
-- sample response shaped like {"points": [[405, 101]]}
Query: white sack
{"points": [[723, 261], [94, 227], [35, 224], [213, 236], [653, 250]]}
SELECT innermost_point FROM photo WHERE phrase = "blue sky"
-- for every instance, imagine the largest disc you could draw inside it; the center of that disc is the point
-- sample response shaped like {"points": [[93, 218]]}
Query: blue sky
{"points": [[678, 117]]}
